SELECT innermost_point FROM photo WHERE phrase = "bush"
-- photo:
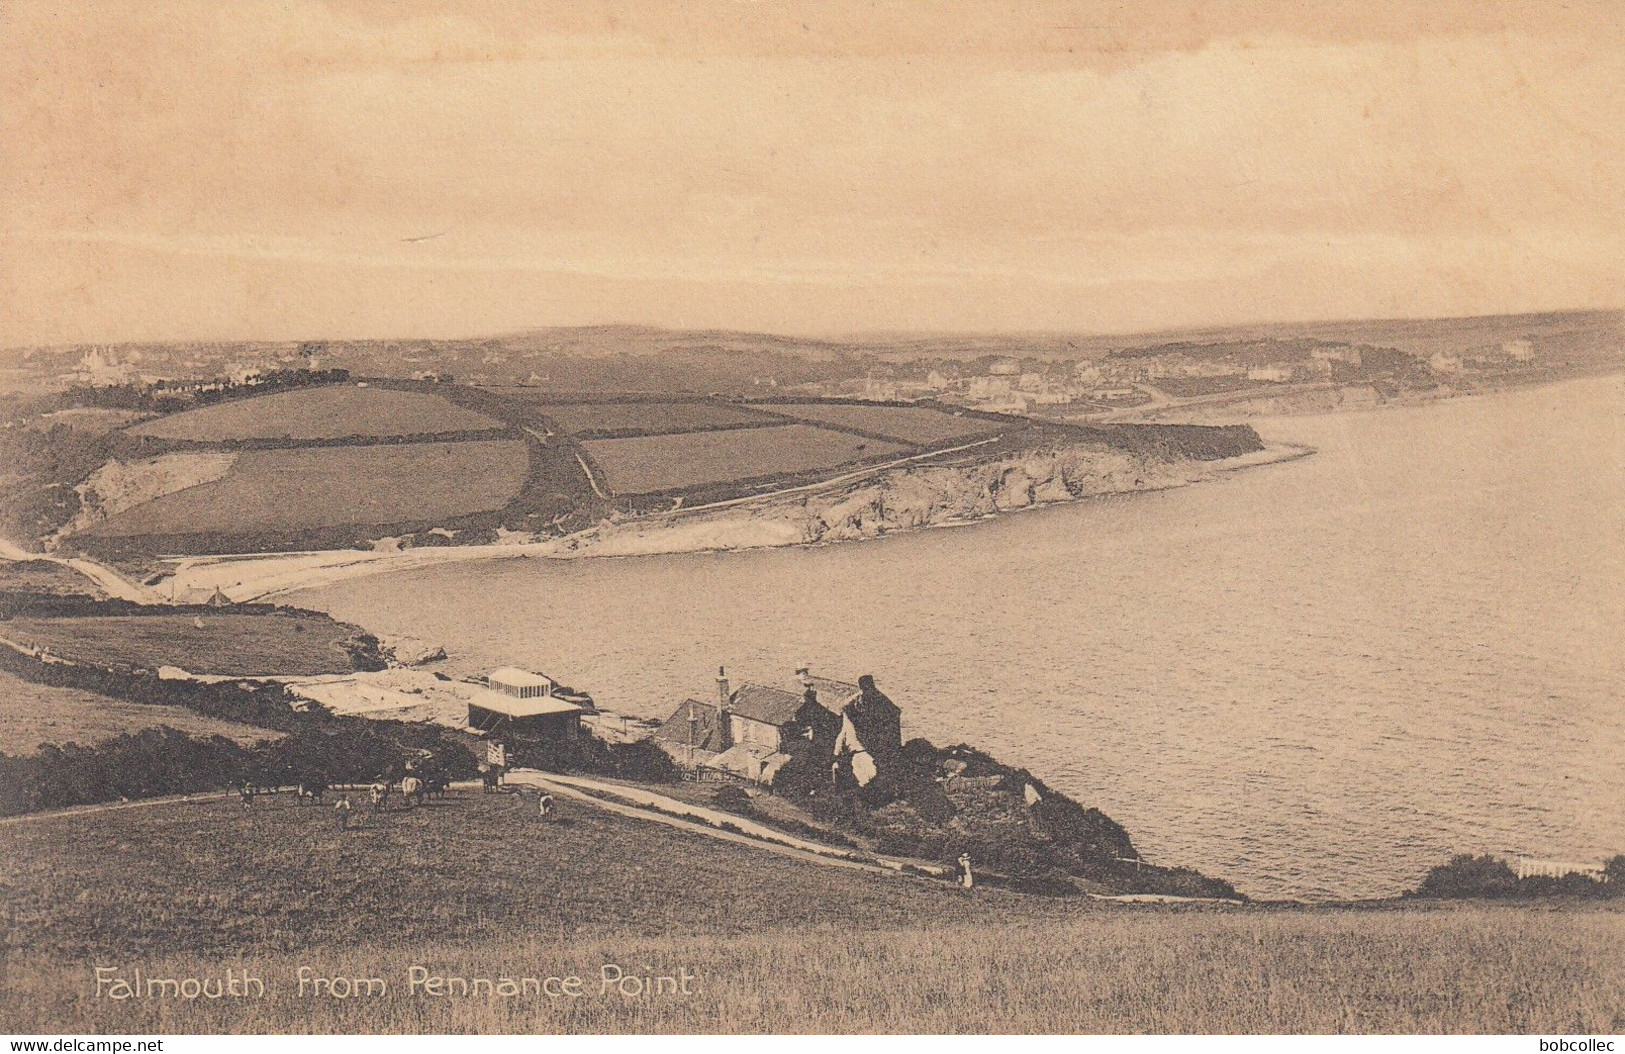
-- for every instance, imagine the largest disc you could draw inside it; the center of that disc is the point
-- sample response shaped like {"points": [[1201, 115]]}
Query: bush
{"points": [[641, 761], [730, 798], [152, 762], [1468, 876]]}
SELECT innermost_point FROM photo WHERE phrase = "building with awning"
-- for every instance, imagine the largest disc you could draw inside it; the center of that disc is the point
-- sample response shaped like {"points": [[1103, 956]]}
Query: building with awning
{"points": [[520, 701]]}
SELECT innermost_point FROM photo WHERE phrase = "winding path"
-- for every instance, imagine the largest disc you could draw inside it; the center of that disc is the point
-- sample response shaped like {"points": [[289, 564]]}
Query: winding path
{"points": [[111, 582], [576, 789]]}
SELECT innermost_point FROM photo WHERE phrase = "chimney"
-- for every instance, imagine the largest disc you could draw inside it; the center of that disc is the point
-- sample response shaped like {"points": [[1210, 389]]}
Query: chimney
{"points": [[724, 697]]}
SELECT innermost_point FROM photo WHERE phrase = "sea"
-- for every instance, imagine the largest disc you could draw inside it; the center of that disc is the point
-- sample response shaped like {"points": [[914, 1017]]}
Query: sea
{"points": [[1315, 679]]}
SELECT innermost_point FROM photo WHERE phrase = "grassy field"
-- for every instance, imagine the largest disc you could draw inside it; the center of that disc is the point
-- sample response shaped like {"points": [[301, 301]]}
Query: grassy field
{"points": [[905, 424], [229, 643], [313, 487], [45, 578], [648, 418], [478, 887], [344, 465], [655, 464], [32, 714], [282, 876], [334, 411]]}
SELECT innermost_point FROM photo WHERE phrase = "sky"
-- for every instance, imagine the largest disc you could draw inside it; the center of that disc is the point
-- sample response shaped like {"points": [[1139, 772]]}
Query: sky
{"points": [[312, 169]]}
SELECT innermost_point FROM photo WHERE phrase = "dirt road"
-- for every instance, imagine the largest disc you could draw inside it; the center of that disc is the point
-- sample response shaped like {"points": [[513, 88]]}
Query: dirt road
{"points": [[577, 789], [111, 582]]}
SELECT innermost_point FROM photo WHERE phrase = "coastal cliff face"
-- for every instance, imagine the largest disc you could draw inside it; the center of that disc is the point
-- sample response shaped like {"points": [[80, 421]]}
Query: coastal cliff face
{"points": [[914, 497], [929, 496]]}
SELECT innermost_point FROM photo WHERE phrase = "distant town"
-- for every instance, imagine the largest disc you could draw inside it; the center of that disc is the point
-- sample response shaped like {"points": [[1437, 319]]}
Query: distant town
{"points": [[1065, 376]]}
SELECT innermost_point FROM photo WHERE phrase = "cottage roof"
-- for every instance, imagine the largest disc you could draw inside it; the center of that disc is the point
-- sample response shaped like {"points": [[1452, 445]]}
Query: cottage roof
{"points": [[509, 706], [706, 727], [833, 695], [771, 706], [750, 761]]}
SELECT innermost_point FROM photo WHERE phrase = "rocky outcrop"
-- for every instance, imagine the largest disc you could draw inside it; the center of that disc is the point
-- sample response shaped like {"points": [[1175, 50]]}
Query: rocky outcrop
{"points": [[121, 485], [904, 499], [926, 496], [403, 650]]}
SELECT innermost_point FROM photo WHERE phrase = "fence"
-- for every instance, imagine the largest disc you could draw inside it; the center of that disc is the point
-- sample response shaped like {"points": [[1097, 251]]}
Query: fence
{"points": [[1529, 867]]}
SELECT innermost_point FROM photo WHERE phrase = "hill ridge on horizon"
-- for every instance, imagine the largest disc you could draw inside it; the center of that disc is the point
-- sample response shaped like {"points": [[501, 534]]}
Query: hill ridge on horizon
{"points": [[860, 340]]}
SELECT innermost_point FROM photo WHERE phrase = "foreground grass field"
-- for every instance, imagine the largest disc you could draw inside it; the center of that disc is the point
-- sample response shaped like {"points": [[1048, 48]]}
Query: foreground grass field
{"points": [[1470, 970], [213, 878], [477, 887]]}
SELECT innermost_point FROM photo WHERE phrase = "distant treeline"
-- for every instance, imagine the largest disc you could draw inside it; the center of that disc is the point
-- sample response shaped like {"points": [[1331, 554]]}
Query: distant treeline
{"points": [[165, 396], [160, 761]]}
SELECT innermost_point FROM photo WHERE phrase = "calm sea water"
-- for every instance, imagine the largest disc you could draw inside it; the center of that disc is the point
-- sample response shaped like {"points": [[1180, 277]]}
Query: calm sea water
{"points": [[1315, 679]]}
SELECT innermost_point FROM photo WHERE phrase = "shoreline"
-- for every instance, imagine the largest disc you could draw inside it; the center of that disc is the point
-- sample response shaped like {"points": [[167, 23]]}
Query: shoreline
{"points": [[737, 527], [258, 576]]}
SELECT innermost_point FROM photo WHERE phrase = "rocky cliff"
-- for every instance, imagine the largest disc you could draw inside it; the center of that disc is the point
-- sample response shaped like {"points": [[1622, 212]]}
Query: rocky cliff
{"points": [[918, 496]]}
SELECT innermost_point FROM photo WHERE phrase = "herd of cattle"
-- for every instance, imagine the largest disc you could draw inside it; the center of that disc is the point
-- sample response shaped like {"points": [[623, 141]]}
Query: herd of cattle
{"points": [[411, 790]]}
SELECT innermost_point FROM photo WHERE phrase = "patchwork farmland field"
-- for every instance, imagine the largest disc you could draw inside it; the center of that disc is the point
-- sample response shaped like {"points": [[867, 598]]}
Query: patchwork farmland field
{"points": [[905, 424], [649, 418], [304, 488], [655, 464], [227, 643], [335, 411], [32, 714]]}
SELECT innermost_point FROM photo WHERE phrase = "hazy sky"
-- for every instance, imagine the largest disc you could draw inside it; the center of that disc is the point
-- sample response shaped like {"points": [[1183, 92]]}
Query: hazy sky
{"points": [[306, 168]]}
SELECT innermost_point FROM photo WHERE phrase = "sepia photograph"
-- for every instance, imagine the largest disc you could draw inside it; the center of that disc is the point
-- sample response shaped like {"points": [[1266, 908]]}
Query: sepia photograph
{"points": [[806, 517]]}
